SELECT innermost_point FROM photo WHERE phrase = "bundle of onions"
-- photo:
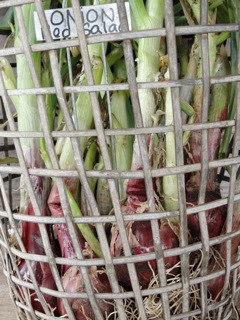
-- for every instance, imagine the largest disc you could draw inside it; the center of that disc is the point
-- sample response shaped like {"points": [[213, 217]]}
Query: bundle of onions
{"points": [[227, 252], [126, 155], [66, 160], [219, 66], [217, 112], [219, 258], [140, 233], [72, 277], [29, 120]]}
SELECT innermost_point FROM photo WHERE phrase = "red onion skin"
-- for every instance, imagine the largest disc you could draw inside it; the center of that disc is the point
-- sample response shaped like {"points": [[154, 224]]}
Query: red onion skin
{"points": [[32, 240], [215, 217], [136, 189], [71, 275], [141, 241], [61, 229], [217, 112], [140, 232], [214, 137], [215, 286], [73, 282]]}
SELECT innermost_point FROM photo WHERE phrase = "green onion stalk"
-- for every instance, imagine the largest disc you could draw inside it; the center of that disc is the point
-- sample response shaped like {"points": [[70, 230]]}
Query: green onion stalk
{"points": [[121, 150], [103, 196], [192, 12], [83, 121], [231, 14], [169, 183], [145, 17], [112, 57], [66, 159], [186, 92], [50, 99], [72, 276], [218, 64], [90, 163], [123, 146], [218, 111], [27, 108], [122, 118], [120, 146], [140, 232], [170, 190], [28, 119]]}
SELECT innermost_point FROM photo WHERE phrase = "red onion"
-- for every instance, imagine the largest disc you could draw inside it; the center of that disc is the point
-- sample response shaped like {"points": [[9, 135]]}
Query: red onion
{"points": [[141, 241], [215, 285], [32, 240], [73, 282], [215, 216], [72, 279]]}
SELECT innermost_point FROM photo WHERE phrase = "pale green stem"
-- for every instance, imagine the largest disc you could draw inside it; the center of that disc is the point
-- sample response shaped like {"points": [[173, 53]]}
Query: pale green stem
{"points": [[148, 52], [124, 151], [84, 118], [85, 229], [170, 189]]}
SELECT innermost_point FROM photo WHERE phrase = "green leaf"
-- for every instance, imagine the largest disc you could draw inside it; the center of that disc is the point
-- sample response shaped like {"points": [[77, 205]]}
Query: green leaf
{"points": [[7, 20]]}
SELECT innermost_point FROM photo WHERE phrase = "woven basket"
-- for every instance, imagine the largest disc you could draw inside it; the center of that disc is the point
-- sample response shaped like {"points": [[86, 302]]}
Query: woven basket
{"points": [[181, 294]]}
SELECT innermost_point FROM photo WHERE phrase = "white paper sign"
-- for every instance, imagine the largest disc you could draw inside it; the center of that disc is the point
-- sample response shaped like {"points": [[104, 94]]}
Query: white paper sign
{"points": [[98, 19]]}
